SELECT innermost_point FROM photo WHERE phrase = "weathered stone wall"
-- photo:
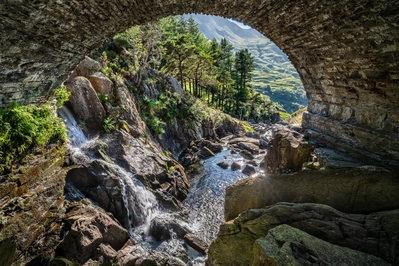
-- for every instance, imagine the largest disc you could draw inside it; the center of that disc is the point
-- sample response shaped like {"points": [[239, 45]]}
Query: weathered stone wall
{"points": [[346, 52]]}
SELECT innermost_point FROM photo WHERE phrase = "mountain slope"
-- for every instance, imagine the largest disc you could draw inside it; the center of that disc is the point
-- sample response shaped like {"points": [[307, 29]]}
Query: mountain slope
{"points": [[274, 74]]}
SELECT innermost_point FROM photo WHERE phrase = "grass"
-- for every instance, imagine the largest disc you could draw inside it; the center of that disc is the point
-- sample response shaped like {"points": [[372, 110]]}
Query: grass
{"points": [[284, 116]]}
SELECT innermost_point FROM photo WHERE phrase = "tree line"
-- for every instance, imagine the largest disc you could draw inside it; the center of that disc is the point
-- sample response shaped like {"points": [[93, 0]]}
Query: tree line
{"points": [[207, 69]]}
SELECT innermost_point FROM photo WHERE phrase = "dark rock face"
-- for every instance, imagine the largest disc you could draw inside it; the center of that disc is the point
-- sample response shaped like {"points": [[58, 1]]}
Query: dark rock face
{"points": [[32, 206], [346, 54], [99, 184], [358, 238], [91, 234]]}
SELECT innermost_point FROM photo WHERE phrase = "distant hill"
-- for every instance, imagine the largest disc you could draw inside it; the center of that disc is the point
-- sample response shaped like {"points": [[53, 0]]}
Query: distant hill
{"points": [[274, 74]]}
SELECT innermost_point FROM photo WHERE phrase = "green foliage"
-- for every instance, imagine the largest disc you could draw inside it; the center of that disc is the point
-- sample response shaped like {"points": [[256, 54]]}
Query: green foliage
{"points": [[109, 124], [155, 125], [24, 127], [62, 96], [247, 127], [102, 98], [284, 116]]}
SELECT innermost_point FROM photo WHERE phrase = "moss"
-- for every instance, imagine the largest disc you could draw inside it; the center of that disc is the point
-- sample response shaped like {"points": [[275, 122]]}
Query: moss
{"points": [[247, 127], [284, 116]]}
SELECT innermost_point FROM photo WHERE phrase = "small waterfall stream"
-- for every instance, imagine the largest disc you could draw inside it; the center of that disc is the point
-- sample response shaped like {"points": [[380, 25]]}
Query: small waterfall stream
{"points": [[75, 134], [205, 201]]}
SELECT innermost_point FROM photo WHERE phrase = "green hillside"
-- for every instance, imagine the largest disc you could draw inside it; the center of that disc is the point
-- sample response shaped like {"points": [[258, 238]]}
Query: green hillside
{"points": [[274, 74]]}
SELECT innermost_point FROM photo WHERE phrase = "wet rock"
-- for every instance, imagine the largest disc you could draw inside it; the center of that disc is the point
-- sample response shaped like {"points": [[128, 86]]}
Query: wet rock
{"points": [[92, 234], [243, 239], [263, 143], [235, 166], [162, 228], [244, 140], [144, 159], [223, 165], [214, 147], [246, 155], [102, 84], [100, 184], [87, 66], [176, 249], [137, 255], [287, 151], [253, 163], [85, 104], [196, 243], [205, 153], [248, 170], [252, 148]]}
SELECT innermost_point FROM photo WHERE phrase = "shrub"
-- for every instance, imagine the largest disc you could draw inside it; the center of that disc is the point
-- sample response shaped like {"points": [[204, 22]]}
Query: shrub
{"points": [[24, 127], [62, 96], [109, 124]]}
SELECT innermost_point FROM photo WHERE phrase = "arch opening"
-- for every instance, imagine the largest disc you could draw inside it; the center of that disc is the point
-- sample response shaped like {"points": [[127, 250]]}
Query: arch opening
{"points": [[346, 54]]}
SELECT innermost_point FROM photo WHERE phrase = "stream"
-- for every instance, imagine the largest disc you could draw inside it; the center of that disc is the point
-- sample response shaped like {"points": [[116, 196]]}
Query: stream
{"points": [[205, 201]]}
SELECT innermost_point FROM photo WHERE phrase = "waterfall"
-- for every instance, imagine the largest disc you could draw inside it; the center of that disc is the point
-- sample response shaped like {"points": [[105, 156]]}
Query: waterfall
{"points": [[75, 134], [141, 204]]}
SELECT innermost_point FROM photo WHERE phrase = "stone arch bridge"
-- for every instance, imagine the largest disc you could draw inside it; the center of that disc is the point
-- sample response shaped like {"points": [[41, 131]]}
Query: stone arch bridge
{"points": [[346, 52]]}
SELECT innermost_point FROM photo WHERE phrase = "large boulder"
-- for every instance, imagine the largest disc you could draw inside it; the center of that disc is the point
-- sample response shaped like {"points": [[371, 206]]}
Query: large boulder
{"points": [[87, 66], [101, 84], [163, 227], [356, 190], [242, 240], [287, 151], [285, 245], [86, 105]]}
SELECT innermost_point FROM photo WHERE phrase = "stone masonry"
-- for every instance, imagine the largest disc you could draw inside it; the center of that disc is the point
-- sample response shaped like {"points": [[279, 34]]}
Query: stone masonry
{"points": [[346, 52]]}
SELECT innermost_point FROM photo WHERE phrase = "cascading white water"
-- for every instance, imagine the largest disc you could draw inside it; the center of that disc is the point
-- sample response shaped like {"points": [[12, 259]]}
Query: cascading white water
{"points": [[75, 134], [140, 202]]}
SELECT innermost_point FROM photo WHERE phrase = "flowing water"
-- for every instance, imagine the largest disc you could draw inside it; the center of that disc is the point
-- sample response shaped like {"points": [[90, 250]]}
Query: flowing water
{"points": [[205, 201], [75, 133], [207, 193]]}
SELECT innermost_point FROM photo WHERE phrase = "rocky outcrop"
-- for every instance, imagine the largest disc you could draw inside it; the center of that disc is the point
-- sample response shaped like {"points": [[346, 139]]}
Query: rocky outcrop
{"points": [[32, 206], [287, 151], [349, 190], [266, 236], [91, 235], [100, 184], [285, 245], [86, 104]]}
